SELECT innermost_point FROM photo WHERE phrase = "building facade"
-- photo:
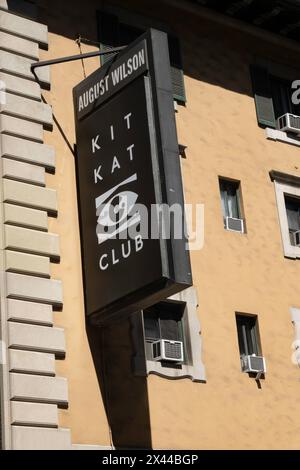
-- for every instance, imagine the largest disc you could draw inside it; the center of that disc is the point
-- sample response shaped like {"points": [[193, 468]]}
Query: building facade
{"points": [[66, 384]]}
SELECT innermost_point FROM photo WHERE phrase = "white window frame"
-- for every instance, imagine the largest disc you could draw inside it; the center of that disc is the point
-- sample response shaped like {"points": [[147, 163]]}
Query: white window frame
{"points": [[281, 189]]}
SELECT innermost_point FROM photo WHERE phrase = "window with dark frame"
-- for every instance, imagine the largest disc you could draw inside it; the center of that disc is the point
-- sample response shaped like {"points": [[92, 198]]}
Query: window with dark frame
{"points": [[164, 321], [292, 205], [113, 32], [273, 96], [248, 335], [282, 97], [230, 193]]}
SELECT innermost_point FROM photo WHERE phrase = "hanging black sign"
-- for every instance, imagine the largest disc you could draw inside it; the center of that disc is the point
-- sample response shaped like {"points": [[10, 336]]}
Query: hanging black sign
{"points": [[127, 171]]}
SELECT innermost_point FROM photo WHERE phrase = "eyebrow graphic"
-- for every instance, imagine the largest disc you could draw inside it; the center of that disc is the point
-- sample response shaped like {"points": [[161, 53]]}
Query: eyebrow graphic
{"points": [[104, 196]]}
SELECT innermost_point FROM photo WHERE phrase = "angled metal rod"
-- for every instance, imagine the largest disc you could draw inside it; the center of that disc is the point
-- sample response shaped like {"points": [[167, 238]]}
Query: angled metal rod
{"points": [[70, 58]]}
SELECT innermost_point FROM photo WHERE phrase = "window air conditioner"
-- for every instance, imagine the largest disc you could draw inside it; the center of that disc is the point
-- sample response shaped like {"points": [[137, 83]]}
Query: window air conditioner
{"points": [[296, 237], [256, 364], [236, 225], [289, 123], [167, 350]]}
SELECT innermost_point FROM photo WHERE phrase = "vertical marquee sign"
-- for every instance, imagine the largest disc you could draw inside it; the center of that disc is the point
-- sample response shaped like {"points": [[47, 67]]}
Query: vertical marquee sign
{"points": [[127, 161]]}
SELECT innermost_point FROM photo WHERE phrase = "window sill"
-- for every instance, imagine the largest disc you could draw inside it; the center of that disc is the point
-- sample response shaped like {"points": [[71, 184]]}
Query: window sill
{"points": [[292, 252], [196, 374], [234, 231], [274, 134]]}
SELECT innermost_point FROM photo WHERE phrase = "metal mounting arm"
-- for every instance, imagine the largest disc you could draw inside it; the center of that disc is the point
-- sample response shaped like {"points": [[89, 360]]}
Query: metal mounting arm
{"points": [[70, 58]]}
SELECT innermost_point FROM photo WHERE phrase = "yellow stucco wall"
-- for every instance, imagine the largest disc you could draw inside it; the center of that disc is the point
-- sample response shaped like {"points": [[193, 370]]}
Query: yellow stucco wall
{"points": [[246, 273]]}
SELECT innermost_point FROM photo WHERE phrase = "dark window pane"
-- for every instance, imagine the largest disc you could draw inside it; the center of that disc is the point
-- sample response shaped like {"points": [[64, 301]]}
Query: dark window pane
{"points": [[151, 325], [296, 108], [170, 317], [164, 321], [229, 191], [254, 337], [292, 205], [128, 33], [282, 92], [282, 96], [169, 329], [224, 202], [241, 337], [248, 335], [232, 201]]}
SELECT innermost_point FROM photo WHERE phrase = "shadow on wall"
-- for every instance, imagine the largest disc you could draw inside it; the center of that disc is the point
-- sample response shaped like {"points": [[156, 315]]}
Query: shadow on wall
{"points": [[202, 43], [212, 53], [125, 396]]}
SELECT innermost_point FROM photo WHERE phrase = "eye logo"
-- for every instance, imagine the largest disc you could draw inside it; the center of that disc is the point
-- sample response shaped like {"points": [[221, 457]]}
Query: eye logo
{"points": [[116, 211]]}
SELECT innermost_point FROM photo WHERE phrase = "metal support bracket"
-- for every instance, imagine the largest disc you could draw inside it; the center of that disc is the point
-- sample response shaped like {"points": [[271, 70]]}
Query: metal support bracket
{"points": [[258, 375], [70, 58]]}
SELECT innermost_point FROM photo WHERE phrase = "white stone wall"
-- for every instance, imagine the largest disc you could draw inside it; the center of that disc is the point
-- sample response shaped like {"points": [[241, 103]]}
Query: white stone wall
{"points": [[30, 390]]}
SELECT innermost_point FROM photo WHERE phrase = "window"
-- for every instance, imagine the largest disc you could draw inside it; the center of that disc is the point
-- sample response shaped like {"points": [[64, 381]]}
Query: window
{"points": [[174, 318], [273, 96], [248, 335], [163, 321], [292, 205], [287, 191], [231, 204], [281, 96], [116, 30]]}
